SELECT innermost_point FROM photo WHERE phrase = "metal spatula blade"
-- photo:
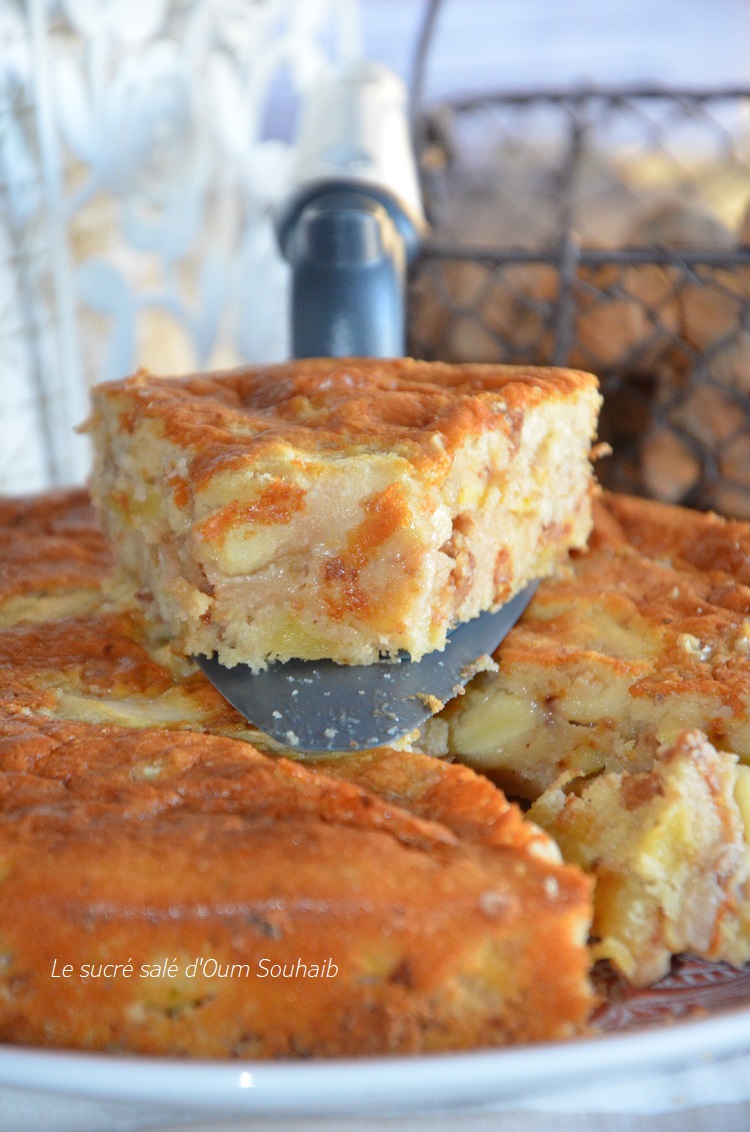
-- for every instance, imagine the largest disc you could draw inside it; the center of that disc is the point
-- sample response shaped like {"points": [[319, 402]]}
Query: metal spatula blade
{"points": [[323, 706]]}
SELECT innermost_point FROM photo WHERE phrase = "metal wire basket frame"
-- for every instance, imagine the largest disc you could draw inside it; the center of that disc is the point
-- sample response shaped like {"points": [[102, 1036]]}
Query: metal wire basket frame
{"points": [[658, 448], [677, 400]]}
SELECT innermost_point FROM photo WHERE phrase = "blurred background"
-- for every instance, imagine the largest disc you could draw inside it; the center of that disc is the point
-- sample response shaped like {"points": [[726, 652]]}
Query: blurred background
{"points": [[586, 170]]}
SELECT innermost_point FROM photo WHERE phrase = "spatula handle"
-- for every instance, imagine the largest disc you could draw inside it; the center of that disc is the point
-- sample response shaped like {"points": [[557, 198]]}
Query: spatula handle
{"points": [[348, 279]]}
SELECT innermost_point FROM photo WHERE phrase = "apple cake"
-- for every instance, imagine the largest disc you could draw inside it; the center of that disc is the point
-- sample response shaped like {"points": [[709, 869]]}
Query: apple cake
{"points": [[166, 890], [643, 636], [619, 709], [340, 508], [669, 851]]}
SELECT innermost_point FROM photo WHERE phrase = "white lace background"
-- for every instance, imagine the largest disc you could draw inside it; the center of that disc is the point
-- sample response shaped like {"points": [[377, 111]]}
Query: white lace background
{"points": [[137, 181]]}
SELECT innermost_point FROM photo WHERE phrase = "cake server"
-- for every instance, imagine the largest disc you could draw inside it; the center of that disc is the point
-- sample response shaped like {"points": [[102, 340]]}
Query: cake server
{"points": [[349, 228], [318, 705]]}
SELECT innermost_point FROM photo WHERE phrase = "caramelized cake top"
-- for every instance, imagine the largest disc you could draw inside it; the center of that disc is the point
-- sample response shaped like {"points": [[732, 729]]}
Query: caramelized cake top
{"points": [[49, 543], [662, 592], [422, 411]]}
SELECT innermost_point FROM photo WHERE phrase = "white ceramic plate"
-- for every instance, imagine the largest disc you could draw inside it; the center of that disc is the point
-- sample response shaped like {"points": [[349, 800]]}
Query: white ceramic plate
{"points": [[672, 1039]]}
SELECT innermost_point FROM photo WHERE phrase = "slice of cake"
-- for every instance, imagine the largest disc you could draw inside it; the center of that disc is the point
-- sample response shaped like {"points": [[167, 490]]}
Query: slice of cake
{"points": [[342, 508], [640, 639], [206, 900], [645, 635], [669, 851]]}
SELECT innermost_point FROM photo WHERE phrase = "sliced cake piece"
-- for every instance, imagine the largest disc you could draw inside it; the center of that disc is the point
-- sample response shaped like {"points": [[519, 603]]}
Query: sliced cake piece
{"points": [[645, 635], [342, 508], [669, 851], [244, 906]]}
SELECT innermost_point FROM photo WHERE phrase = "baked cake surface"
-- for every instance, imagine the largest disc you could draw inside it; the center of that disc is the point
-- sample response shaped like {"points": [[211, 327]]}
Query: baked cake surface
{"points": [[641, 637], [118, 846], [53, 556], [623, 664], [342, 508], [449, 920]]}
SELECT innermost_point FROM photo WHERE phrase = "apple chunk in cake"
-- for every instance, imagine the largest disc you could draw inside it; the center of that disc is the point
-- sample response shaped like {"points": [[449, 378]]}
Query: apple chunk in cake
{"points": [[342, 508]]}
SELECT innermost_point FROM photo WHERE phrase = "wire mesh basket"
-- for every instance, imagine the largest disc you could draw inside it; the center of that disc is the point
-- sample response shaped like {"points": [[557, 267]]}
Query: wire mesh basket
{"points": [[605, 230]]}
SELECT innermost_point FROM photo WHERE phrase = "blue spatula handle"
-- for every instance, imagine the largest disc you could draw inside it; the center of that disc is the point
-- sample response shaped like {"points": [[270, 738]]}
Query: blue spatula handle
{"points": [[348, 265]]}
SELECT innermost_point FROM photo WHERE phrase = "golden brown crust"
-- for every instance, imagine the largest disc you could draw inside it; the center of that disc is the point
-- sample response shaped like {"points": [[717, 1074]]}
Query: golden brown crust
{"points": [[665, 578], [647, 633], [331, 405], [51, 543], [440, 943], [466, 802], [99, 668], [432, 896], [606, 690], [708, 542]]}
